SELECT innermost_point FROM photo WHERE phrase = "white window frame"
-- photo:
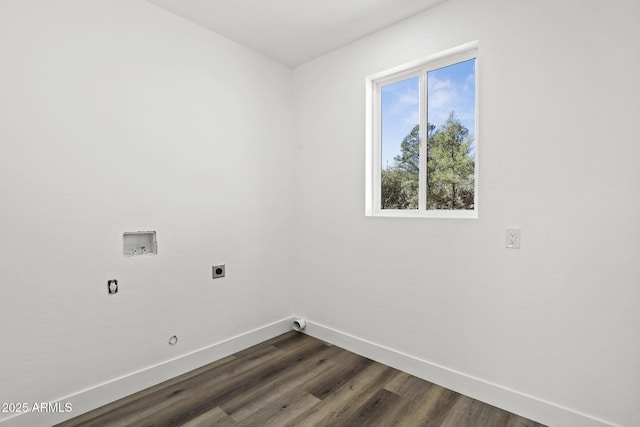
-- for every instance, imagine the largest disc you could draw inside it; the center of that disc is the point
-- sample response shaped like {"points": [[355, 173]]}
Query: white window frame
{"points": [[373, 153]]}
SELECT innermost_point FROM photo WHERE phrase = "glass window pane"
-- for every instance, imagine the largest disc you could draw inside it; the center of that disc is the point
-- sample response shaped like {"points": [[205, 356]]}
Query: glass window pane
{"points": [[451, 116], [400, 114]]}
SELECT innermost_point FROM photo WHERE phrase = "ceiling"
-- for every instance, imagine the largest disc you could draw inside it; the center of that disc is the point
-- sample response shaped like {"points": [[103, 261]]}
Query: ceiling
{"points": [[295, 31]]}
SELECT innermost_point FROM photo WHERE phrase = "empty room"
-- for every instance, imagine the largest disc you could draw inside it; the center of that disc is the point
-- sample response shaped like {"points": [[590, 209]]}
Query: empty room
{"points": [[338, 213]]}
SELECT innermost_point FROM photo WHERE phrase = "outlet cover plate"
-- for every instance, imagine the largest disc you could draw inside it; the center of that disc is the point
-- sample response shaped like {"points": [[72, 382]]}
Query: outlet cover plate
{"points": [[218, 271], [512, 238], [112, 287]]}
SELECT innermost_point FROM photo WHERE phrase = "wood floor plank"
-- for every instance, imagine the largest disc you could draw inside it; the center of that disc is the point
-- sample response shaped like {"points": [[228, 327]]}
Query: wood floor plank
{"points": [[382, 409], [235, 395], [348, 365], [518, 421], [342, 403], [212, 394], [429, 409], [251, 400], [281, 411], [460, 413], [297, 380], [215, 417], [500, 419], [410, 387], [480, 413]]}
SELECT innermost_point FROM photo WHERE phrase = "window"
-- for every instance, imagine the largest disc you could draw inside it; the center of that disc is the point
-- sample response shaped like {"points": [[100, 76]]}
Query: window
{"points": [[422, 138]]}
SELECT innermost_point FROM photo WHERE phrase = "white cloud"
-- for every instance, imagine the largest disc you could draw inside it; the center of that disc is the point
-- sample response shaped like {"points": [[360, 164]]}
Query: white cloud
{"points": [[403, 104], [435, 83], [445, 96]]}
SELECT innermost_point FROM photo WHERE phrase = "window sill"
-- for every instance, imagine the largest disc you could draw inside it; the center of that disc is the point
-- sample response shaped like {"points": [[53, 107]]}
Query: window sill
{"points": [[436, 214]]}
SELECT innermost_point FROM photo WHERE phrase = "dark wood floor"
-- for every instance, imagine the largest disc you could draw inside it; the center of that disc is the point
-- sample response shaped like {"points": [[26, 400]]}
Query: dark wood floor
{"points": [[297, 380]]}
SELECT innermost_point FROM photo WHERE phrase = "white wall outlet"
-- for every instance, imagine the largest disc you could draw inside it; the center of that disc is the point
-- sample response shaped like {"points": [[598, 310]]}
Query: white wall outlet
{"points": [[512, 238]]}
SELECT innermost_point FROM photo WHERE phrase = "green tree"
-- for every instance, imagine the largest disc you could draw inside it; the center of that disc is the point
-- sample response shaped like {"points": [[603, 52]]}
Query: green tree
{"points": [[409, 158], [399, 189], [450, 169], [400, 182]]}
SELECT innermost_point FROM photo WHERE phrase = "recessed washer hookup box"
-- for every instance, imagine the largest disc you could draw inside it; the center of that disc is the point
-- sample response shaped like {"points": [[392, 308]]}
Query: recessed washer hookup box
{"points": [[139, 243]]}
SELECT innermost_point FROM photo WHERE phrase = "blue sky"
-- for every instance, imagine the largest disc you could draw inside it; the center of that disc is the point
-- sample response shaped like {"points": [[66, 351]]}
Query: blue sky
{"points": [[450, 88]]}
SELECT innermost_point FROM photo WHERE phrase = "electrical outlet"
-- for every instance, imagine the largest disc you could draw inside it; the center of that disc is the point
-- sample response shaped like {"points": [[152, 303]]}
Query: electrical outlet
{"points": [[512, 238], [218, 271], [112, 286]]}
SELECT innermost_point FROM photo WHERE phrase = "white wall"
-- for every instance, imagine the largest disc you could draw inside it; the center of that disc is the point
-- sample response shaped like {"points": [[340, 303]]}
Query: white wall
{"points": [[118, 116], [559, 149]]}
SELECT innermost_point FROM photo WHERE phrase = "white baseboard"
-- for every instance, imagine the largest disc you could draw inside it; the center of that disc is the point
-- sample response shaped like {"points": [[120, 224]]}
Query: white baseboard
{"points": [[102, 394], [502, 397]]}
